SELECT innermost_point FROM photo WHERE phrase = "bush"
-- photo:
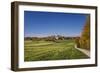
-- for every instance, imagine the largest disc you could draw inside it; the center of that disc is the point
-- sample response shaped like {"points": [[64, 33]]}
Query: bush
{"points": [[77, 41]]}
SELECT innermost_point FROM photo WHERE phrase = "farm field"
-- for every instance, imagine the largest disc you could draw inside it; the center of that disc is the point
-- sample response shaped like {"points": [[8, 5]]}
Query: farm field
{"points": [[50, 50]]}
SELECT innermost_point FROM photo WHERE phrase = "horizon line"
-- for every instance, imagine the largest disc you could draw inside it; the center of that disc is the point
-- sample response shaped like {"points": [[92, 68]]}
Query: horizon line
{"points": [[51, 35]]}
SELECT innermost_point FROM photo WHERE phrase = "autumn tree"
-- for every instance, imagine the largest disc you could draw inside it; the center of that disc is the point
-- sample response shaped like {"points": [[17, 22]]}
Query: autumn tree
{"points": [[84, 41]]}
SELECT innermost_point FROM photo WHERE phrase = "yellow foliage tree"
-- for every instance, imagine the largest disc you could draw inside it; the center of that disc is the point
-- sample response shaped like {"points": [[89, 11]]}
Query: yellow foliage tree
{"points": [[84, 40], [85, 35]]}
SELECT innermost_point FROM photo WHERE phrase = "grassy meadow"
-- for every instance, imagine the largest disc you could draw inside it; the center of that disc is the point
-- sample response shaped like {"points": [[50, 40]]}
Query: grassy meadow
{"points": [[51, 50]]}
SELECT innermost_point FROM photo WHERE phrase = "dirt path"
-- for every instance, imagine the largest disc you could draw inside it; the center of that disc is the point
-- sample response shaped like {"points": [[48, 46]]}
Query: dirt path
{"points": [[86, 52]]}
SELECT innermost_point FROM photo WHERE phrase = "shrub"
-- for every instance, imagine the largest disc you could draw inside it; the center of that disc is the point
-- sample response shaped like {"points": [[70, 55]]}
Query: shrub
{"points": [[77, 41]]}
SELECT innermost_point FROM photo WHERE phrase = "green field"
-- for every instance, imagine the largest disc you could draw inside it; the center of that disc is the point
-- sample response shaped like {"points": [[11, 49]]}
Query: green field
{"points": [[50, 50]]}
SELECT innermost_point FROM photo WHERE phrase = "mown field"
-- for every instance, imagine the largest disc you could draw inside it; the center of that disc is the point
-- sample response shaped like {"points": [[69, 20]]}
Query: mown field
{"points": [[49, 50]]}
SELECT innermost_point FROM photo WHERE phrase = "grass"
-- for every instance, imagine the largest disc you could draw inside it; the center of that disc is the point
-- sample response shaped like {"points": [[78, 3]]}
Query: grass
{"points": [[49, 50]]}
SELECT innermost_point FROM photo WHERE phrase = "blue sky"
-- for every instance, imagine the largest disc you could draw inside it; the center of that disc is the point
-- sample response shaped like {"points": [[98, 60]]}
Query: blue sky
{"points": [[42, 24]]}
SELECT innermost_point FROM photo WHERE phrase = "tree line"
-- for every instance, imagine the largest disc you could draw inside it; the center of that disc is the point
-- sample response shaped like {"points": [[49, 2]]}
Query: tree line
{"points": [[50, 38]]}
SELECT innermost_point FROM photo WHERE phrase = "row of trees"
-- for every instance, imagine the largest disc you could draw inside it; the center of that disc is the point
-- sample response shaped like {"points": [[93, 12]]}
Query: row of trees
{"points": [[84, 40], [50, 38]]}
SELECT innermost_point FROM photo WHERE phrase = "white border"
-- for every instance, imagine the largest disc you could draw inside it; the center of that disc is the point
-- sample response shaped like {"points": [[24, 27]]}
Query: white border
{"points": [[23, 64]]}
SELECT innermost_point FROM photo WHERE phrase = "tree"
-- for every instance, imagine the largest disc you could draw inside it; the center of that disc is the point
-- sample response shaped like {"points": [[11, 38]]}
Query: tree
{"points": [[84, 40], [85, 35]]}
